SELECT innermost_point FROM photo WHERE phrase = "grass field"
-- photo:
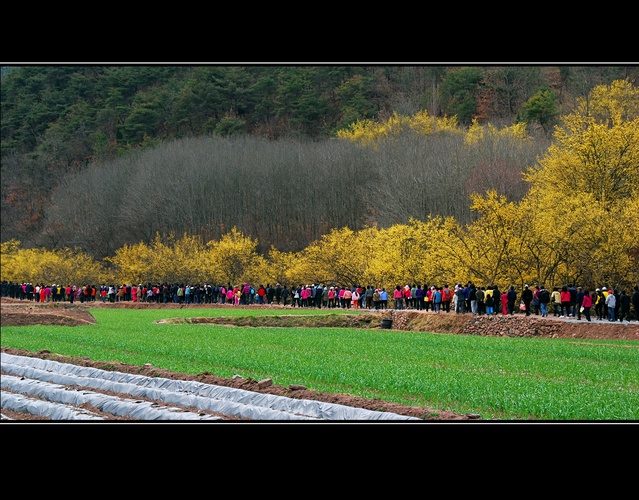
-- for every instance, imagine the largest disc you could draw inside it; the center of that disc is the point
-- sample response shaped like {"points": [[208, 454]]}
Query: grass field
{"points": [[495, 377]]}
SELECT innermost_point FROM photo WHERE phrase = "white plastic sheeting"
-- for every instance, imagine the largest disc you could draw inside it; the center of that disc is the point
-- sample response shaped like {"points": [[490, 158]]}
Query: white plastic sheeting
{"points": [[44, 387], [55, 411], [60, 403]]}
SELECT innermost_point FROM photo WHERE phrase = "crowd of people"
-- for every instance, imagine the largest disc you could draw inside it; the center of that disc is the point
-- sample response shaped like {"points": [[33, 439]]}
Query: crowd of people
{"points": [[568, 301]]}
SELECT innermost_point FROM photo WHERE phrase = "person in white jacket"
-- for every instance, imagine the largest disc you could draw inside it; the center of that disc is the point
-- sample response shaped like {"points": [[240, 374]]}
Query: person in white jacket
{"points": [[611, 301]]}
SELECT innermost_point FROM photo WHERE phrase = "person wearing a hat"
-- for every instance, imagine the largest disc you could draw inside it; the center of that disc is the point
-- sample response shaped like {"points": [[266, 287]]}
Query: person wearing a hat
{"points": [[598, 300], [611, 301], [331, 297], [604, 293], [324, 297]]}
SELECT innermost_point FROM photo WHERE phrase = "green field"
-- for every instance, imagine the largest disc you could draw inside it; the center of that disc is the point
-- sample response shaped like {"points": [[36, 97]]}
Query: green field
{"points": [[495, 377]]}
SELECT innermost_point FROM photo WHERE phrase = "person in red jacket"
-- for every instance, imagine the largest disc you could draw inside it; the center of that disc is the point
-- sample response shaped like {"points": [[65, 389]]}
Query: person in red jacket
{"points": [[565, 302], [504, 303], [261, 295], [447, 297], [586, 303]]}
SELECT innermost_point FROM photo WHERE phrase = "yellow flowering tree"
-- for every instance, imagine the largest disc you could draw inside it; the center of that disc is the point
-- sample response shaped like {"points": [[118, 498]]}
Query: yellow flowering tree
{"points": [[477, 132], [8, 253], [133, 264], [63, 266], [301, 268], [399, 256], [584, 189], [166, 260], [498, 242], [233, 259], [336, 258], [371, 133], [279, 265]]}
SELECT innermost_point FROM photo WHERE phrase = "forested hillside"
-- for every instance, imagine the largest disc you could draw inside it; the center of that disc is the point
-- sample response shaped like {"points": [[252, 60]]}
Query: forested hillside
{"points": [[97, 157]]}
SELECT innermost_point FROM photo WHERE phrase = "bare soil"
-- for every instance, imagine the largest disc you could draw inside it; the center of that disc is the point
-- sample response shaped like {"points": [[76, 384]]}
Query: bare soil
{"points": [[22, 313]]}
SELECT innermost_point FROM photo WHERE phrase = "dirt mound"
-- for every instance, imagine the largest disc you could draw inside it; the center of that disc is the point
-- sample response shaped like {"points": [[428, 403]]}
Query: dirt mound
{"points": [[518, 325], [22, 313]]}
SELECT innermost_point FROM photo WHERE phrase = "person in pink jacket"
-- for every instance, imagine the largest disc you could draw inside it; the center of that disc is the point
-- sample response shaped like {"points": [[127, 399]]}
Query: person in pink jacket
{"points": [[398, 297], [565, 301], [586, 303], [305, 296], [340, 297]]}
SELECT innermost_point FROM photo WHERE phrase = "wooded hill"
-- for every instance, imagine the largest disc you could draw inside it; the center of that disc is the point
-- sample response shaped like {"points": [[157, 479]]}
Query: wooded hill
{"points": [[101, 156]]}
